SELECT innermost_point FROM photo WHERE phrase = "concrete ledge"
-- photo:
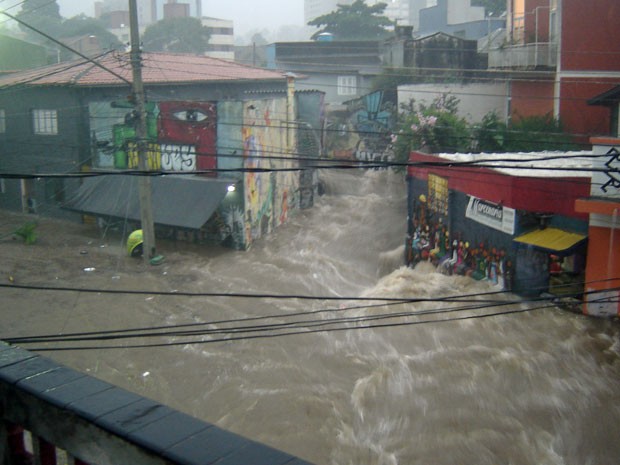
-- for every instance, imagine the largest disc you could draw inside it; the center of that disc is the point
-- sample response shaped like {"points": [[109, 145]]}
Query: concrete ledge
{"points": [[100, 423]]}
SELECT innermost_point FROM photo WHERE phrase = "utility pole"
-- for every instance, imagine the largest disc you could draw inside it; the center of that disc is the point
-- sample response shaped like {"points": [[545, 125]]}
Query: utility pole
{"points": [[146, 208]]}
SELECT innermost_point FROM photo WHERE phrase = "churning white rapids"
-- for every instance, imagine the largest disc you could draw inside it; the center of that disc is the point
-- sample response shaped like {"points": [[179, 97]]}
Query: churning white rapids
{"points": [[529, 388]]}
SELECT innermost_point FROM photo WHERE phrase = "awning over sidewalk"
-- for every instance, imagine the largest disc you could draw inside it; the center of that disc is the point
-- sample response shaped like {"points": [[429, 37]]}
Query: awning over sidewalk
{"points": [[551, 239], [183, 201]]}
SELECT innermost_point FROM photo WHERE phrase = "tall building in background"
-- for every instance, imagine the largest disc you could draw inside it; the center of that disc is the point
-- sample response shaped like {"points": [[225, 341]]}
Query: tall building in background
{"points": [[116, 15], [222, 40]]}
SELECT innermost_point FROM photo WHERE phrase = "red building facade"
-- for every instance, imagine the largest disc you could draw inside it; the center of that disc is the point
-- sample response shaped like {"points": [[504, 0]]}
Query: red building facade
{"points": [[567, 51]]}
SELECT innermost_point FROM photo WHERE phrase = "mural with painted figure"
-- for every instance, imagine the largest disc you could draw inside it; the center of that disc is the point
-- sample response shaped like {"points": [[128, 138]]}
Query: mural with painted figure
{"points": [[187, 133], [268, 195]]}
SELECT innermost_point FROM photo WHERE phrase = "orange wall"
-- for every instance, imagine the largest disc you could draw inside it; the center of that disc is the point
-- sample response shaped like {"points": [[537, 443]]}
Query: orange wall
{"points": [[597, 271]]}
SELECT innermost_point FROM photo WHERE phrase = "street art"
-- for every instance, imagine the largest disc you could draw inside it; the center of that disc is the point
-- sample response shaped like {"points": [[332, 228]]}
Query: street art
{"points": [[613, 166], [188, 133], [182, 136], [268, 195], [234, 227], [431, 240]]}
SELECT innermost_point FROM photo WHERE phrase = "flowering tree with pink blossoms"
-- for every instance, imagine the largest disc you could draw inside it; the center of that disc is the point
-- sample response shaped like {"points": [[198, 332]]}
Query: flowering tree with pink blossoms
{"points": [[433, 128]]}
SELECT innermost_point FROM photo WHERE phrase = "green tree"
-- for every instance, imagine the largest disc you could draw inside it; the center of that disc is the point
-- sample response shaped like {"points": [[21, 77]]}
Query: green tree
{"points": [[490, 134], [435, 128], [83, 25], [183, 35], [258, 39], [525, 134], [357, 21], [42, 15]]}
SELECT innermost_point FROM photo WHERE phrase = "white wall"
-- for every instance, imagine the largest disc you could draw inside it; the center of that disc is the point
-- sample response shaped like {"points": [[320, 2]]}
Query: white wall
{"points": [[461, 11], [476, 100]]}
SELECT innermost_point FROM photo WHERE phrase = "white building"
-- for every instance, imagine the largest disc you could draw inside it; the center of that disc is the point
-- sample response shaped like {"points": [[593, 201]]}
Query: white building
{"points": [[222, 40]]}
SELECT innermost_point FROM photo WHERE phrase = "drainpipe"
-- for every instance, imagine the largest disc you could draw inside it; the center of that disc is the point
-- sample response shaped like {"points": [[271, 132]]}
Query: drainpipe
{"points": [[25, 194], [290, 111], [610, 255]]}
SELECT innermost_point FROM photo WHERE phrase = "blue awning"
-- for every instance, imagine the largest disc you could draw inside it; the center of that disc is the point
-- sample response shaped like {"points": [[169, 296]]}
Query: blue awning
{"points": [[182, 201]]}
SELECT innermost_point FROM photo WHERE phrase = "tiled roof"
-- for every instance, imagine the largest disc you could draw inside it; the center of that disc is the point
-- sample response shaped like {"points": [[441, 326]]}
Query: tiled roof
{"points": [[158, 68]]}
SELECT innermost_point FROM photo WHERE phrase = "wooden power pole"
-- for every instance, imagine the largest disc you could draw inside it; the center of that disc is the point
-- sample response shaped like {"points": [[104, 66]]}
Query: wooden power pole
{"points": [[146, 208]]}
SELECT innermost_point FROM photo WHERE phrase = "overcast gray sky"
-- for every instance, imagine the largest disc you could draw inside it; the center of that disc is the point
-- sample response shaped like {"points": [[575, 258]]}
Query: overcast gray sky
{"points": [[248, 15]]}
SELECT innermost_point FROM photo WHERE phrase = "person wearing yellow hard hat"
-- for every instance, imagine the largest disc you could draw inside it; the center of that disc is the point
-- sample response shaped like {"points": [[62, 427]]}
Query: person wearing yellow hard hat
{"points": [[134, 243]]}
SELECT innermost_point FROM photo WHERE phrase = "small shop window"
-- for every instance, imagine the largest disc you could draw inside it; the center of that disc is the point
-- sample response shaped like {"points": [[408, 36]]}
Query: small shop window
{"points": [[45, 122], [438, 194]]}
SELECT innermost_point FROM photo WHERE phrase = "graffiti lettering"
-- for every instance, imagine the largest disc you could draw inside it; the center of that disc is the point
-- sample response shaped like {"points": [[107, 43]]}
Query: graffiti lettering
{"points": [[178, 157], [613, 170], [373, 157]]}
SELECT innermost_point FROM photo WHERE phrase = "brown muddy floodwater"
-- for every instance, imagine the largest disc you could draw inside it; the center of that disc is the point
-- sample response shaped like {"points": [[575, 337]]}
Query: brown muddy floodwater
{"points": [[529, 388]]}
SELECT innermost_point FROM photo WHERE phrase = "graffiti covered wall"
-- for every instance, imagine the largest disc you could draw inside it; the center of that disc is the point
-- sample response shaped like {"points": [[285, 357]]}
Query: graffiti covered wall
{"points": [[247, 142], [181, 135], [269, 196]]}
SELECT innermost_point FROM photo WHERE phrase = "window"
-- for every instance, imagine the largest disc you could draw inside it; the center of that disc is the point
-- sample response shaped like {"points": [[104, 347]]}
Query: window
{"points": [[2, 121], [347, 85], [45, 122]]}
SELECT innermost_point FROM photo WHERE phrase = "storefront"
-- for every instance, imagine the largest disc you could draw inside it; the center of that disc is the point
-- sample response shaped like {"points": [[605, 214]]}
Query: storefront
{"points": [[550, 260], [508, 225]]}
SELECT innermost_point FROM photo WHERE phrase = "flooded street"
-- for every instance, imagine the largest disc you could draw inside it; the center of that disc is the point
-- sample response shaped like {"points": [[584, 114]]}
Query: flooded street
{"points": [[532, 386]]}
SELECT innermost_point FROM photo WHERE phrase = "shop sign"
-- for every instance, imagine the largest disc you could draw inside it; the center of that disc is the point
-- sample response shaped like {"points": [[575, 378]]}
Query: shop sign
{"points": [[491, 214]]}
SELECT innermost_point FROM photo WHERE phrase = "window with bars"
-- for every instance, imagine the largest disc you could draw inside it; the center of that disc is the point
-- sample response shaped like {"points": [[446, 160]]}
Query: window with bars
{"points": [[347, 85], [45, 122]]}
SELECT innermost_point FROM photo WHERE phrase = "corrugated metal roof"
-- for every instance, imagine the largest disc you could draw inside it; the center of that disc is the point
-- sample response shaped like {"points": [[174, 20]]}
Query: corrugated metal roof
{"points": [[158, 68]]}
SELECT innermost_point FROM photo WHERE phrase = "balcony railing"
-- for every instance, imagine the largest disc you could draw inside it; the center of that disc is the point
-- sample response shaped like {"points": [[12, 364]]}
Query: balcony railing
{"points": [[50, 414], [529, 56]]}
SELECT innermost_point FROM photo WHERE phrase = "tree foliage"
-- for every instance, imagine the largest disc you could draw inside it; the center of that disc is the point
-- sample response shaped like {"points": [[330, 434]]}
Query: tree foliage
{"points": [[83, 25], [357, 21], [525, 134], [42, 15], [435, 128], [182, 35]]}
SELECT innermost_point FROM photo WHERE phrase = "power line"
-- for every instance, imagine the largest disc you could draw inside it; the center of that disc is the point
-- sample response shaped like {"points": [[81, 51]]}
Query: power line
{"points": [[289, 328], [56, 41], [319, 164], [175, 330], [292, 333]]}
